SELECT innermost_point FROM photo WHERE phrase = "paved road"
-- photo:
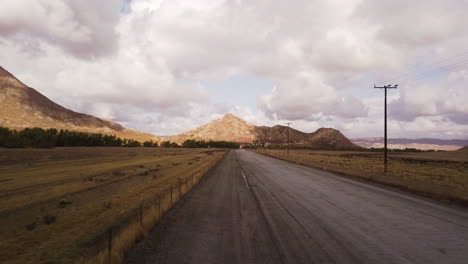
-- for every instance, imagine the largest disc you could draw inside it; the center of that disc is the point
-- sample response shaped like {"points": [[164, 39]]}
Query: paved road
{"points": [[256, 209]]}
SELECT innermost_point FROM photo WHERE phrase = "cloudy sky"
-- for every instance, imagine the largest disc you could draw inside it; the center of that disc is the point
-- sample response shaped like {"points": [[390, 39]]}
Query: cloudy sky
{"points": [[165, 66]]}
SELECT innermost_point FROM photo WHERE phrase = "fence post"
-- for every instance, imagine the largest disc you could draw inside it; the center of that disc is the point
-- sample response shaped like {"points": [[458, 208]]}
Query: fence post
{"points": [[159, 206], [180, 188], [109, 245], [141, 214]]}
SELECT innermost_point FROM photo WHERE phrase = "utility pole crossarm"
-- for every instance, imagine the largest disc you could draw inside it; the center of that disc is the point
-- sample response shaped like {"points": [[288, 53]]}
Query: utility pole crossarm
{"points": [[387, 86]]}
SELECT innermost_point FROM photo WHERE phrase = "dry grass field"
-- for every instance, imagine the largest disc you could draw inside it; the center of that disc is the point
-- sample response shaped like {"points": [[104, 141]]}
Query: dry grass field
{"points": [[442, 175], [55, 202]]}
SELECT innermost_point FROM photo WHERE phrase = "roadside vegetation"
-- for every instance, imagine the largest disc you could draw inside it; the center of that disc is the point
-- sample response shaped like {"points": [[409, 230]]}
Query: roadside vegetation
{"points": [[442, 175], [191, 143], [399, 150], [49, 138], [256, 144], [72, 205]]}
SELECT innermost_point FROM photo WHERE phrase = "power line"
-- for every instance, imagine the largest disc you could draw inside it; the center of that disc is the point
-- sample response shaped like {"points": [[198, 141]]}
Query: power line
{"points": [[428, 73], [444, 69], [385, 87], [444, 65]]}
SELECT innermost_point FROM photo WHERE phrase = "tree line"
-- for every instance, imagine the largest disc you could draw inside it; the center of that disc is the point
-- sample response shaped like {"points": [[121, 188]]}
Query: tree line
{"points": [[50, 138], [256, 144], [260, 145], [191, 143], [400, 150]]}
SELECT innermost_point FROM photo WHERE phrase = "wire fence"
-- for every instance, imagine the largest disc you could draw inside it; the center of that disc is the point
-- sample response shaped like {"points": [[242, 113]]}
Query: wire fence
{"points": [[110, 245]]}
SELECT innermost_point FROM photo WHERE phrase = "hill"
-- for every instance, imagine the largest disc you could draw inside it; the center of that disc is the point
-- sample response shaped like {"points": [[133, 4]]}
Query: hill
{"points": [[22, 107], [330, 137], [232, 128], [463, 150], [228, 128], [322, 138]]}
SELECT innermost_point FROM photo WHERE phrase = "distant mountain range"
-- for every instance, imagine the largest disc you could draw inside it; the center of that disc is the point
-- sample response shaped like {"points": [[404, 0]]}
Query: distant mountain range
{"points": [[232, 128], [22, 107], [419, 143]]}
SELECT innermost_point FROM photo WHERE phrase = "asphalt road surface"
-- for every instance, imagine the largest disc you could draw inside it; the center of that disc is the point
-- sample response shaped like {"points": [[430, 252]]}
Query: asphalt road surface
{"points": [[256, 209]]}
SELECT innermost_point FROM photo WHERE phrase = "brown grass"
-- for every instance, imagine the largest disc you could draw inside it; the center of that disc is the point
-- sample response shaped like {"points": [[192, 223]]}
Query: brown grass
{"points": [[58, 205], [441, 175]]}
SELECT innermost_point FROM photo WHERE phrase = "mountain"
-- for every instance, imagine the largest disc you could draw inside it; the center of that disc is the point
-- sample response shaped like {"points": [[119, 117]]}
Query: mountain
{"points": [[419, 143], [232, 128], [22, 107], [228, 128]]}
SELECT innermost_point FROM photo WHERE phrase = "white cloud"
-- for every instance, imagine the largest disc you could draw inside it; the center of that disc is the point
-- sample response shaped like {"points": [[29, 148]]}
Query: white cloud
{"points": [[445, 98], [307, 97], [421, 23], [138, 66]]}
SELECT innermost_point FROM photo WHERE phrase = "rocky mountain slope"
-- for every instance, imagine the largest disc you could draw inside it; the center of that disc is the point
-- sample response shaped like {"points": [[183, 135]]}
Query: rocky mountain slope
{"points": [[232, 128], [323, 137], [22, 106]]}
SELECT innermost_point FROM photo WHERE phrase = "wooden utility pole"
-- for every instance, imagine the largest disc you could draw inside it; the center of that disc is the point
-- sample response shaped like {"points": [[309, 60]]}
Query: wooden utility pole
{"points": [[265, 136], [385, 87], [289, 123]]}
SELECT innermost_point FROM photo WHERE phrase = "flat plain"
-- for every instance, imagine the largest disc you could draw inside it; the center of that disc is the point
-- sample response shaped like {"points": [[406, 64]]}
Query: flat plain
{"points": [[54, 201], [442, 174]]}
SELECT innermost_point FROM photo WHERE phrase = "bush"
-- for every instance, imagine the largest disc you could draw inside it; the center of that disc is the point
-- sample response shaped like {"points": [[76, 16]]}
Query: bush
{"points": [[191, 143], [169, 144], [150, 144]]}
